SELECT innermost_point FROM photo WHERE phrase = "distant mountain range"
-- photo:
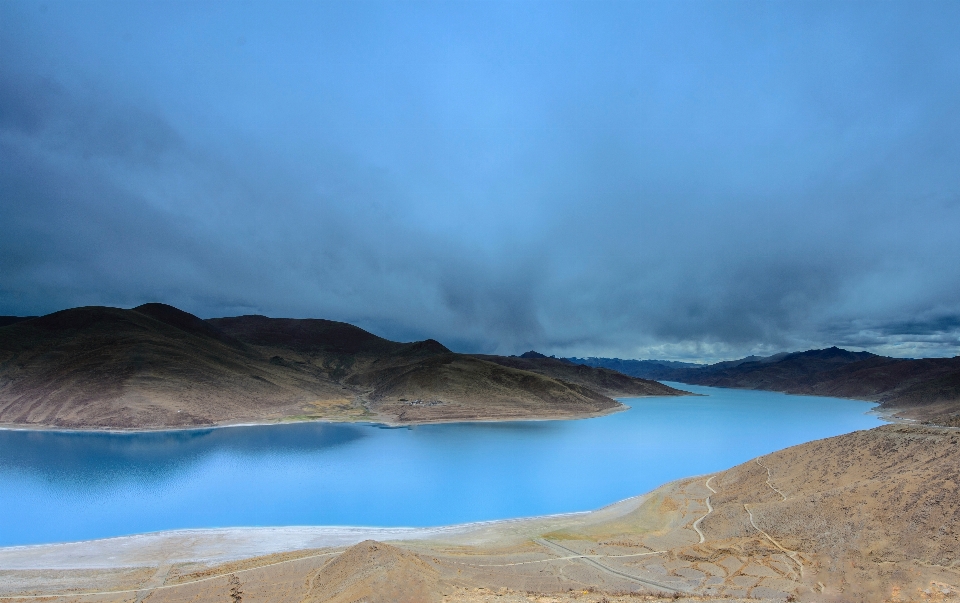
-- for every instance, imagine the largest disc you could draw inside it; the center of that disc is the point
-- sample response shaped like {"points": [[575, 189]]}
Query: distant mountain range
{"points": [[925, 389], [644, 369], [609, 382], [155, 366]]}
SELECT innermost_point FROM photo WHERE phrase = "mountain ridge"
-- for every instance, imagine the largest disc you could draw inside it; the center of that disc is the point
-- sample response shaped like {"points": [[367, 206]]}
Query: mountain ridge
{"points": [[605, 381]]}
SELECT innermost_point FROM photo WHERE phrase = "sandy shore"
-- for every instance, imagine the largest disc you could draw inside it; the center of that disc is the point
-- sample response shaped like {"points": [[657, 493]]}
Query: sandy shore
{"points": [[220, 545]]}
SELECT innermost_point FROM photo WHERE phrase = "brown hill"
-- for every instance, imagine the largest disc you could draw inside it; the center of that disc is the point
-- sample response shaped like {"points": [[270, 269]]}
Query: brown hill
{"points": [[414, 382], [147, 367], [927, 389], [870, 515], [605, 381], [308, 335], [156, 366], [375, 572]]}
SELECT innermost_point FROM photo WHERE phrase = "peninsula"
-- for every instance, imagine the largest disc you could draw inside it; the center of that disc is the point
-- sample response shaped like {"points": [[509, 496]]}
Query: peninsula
{"points": [[158, 367]]}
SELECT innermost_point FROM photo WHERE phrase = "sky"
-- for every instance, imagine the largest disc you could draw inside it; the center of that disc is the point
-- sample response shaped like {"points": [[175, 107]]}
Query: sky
{"points": [[680, 180]]}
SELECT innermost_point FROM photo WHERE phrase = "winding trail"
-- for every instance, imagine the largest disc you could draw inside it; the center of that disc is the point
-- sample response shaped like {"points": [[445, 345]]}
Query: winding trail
{"points": [[791, 554], [551, 559], [696, 524], [769, 476], [590, 559], [795, 556]]}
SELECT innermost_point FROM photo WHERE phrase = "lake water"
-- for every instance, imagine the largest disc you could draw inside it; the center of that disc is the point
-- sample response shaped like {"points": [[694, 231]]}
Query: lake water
{"points": [[64, 486]]}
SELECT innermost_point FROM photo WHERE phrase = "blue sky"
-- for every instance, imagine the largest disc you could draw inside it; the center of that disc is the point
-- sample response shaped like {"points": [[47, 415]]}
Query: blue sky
{"points": [[685, 180]]}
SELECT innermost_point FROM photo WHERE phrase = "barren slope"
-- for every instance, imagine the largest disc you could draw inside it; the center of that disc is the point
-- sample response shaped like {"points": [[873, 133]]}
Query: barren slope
{"points": [[149, 367], [156, 366], [927, 389], [414, 382], [605, 381]]}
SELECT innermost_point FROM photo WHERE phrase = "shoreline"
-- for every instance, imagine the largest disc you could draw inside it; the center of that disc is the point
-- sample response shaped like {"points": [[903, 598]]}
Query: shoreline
{"points": [[888, 414], [341, 532], [885, 414], [373, 423], [219, 545]]}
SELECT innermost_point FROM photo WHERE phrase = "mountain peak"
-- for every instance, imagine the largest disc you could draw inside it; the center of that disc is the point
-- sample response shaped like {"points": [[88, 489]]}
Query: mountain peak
{"points": [[175, 317]]}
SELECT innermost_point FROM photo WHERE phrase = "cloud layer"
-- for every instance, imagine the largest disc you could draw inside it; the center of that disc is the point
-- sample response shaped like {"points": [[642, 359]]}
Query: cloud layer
{"points": [[679, 180]]}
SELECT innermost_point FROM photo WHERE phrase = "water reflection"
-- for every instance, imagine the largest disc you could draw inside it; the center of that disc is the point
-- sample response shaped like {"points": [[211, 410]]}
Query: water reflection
{"points": [[95, 460]]}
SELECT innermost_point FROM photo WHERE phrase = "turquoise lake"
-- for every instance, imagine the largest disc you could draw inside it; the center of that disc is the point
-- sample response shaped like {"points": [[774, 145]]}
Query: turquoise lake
{"points": [[64, 486]]}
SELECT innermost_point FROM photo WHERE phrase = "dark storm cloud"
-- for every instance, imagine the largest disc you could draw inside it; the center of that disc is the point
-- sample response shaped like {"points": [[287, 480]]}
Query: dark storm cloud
{"points": [[677, 180], [42, 109]]}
